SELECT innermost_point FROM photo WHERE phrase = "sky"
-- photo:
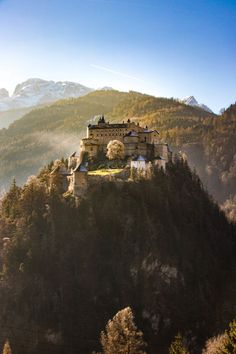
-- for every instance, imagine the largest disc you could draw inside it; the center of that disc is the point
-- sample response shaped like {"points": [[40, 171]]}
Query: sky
{"points": [[168, 48]]}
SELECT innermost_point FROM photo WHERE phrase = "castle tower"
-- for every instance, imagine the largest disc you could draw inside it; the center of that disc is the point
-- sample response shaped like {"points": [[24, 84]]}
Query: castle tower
{"points": [[79, 182]]}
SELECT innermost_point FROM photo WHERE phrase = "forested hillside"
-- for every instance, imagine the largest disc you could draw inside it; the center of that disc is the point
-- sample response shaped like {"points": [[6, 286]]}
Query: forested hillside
{"points": [[54, 131], [7, 117], [160, 246], [213, 152], [51, 132], [220, 149]]}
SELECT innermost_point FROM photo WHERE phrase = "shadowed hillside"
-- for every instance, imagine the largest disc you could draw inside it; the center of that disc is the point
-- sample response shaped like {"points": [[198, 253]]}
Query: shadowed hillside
{"points": [[160, 246], [213, 152]]}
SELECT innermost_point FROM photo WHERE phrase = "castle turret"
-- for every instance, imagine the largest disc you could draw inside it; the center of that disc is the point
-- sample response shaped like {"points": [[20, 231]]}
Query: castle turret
{"points": [[72, 160], [79, 182], [101, 121]]}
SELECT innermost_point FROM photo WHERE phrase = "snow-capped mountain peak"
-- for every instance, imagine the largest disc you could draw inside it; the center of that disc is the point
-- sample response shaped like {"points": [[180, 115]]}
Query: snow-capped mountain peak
{"points": [[191, 101], [106, 88], [34, 91]]}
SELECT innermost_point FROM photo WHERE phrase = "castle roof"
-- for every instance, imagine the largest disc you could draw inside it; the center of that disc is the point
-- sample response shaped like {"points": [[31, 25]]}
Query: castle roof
{"points": [[80, 168], [139, 158], [73, 155], [132, 133], [109, 126], [61, 170], [149, 131]]}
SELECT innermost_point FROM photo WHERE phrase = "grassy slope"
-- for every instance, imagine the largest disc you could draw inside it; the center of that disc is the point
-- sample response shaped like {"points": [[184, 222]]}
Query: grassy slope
{"points": [[54, 131], [105, 172]]}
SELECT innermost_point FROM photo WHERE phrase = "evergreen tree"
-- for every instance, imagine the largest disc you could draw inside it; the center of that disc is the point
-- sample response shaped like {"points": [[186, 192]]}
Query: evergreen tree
{"points": [[7, 348], [33, 197], [177, 346], [10, 202], [122, 336]]}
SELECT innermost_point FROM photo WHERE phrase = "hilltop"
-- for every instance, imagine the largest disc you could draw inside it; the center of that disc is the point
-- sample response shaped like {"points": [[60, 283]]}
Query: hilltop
{"points": [[50, 132], [54, 131]]}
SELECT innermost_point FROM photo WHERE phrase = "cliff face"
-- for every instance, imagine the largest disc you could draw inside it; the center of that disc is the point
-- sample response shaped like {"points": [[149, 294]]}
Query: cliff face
{"points": [[160, 246]]}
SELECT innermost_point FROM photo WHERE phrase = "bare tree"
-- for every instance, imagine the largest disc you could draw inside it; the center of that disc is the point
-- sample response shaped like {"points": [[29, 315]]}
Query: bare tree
{"points": [[115, 150], [215, 345]]}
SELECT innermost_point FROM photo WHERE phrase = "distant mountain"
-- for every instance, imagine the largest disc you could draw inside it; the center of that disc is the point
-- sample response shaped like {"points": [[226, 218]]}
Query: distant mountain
{"points": [[191, 101], [34, 92], [106, 88]]}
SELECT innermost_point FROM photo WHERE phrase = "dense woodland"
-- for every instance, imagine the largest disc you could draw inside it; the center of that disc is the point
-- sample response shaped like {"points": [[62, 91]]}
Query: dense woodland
{"points": [[161, 247]]}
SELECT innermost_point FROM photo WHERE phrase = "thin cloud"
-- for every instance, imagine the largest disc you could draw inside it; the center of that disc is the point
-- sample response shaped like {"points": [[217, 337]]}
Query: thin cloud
{"points": [[125, 2], [103, 68]]}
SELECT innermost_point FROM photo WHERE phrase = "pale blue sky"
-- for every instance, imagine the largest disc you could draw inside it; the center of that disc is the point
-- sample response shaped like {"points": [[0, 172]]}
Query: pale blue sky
{"points": [[172, 48]]}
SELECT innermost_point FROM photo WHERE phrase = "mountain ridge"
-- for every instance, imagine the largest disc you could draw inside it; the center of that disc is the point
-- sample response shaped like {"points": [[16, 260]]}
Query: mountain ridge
{"points": [[35, 91]]}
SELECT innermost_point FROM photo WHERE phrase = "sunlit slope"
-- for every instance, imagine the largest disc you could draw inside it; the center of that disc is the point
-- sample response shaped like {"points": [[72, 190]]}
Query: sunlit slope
{"points": [[54, 131]]}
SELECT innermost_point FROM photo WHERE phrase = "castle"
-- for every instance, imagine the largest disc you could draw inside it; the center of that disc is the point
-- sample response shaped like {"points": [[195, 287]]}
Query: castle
{"points": [[143, 149], [138, 141]]}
